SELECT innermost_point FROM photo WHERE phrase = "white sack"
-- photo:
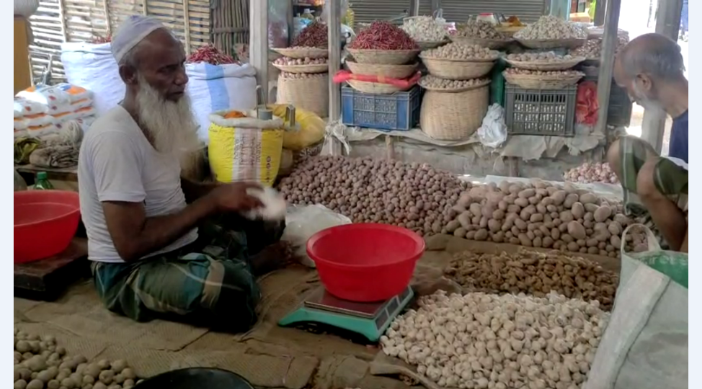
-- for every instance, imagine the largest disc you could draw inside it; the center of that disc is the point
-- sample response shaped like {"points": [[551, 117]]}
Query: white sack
{"points": [[93, 67], [219, 87]]}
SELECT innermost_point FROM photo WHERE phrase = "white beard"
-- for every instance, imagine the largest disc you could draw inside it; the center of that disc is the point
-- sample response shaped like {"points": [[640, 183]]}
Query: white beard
{"points": [[170, 125], [648, 104]]}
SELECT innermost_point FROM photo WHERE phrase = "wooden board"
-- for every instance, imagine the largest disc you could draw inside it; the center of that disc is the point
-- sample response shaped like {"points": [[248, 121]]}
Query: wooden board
{"points": [[67, 174], [47, 278], [452, 244]]}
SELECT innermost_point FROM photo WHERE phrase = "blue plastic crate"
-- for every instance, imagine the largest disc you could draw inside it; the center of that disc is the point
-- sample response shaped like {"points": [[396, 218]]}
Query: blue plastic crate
{"points": [[398, 111]]}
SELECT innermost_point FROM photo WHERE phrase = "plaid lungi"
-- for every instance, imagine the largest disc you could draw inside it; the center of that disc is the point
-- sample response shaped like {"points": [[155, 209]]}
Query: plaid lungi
{"points": [[209, 282], [669, 177]]}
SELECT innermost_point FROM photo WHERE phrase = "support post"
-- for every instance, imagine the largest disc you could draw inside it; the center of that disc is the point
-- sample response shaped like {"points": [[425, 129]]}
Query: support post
{"points": [[435, 6], [414, 8], [668, 24], [600, 11], [604, 81], [334, 62], [258, 45]]}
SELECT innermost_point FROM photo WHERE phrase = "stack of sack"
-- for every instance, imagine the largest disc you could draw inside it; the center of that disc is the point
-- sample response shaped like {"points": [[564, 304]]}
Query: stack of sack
{"points": [[44, 110]]}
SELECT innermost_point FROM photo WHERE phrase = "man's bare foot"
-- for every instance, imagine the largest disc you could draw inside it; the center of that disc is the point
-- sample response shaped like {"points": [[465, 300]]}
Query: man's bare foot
{"points": [[271, 258]]}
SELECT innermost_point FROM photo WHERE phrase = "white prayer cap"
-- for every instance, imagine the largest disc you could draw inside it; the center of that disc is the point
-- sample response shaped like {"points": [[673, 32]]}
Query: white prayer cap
{"points": [[131, 32]]}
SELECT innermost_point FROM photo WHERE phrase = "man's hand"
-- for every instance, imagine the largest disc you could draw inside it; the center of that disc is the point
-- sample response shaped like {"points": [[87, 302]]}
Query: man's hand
{"points": [[233, 197]]}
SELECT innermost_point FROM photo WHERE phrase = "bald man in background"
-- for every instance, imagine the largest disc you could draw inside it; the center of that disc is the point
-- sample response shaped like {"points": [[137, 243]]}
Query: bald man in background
{"points": [[161, 245], [651, 69]]}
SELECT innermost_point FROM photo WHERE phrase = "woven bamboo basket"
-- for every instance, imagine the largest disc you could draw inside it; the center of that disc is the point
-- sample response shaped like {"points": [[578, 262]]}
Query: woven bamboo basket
{"points": [[431, 45], [315, 68], [373, 87], [546, 66], [303, 52], [480, 84], [534, 81], [451, 69], [311, 94], [384, 57], [391, 71], [493, 44], [552, 43], [453, 116]]}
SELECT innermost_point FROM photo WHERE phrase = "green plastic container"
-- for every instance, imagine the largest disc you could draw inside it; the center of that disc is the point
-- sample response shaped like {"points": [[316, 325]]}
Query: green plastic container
{"points": [[497, 86], [42, 182]]}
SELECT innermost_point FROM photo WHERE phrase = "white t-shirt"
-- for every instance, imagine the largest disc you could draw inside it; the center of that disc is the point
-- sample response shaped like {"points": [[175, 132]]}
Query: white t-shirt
{"points": [[117, 163]]}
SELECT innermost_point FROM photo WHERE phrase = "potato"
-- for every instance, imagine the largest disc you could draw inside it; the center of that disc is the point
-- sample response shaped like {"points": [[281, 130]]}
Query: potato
{"points": [[567, 238], [602, 213], [537, 217], [470, 235], [558, 197], [498, 214], [615, 241], [547, 242], [460, 232], [570, 200], [566, 216], [588, 198], [621, 219], [537, 242], [452, 225], [572, 246], [494, 225], [20, 384], [522, 202], [514, 240], [524, 240], [615, 228], [498, 237], [578, 210], [555, 234], [481, 234], [513, 208], [591, 207]]}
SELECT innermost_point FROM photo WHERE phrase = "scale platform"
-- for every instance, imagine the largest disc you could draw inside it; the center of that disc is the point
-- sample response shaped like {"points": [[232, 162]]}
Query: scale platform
{"points": [[368, 319]]}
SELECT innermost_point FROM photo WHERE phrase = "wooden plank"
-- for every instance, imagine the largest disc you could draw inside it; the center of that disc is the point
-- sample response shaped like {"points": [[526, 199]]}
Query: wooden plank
{"points": [[334, 62], [609, 42]]}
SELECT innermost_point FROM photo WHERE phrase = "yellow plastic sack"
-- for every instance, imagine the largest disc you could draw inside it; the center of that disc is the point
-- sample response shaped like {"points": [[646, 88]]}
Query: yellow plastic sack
{"points": [[311, 128], [245, 149]]}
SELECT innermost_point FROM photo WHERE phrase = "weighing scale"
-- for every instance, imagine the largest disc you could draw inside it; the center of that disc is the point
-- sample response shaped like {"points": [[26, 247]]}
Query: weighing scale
{"points": [[368, 319]]}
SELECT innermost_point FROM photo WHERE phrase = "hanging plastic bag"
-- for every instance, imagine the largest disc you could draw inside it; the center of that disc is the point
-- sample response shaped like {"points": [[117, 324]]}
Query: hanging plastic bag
{"points": [[278, 33], [493, 132], [301, 222]]}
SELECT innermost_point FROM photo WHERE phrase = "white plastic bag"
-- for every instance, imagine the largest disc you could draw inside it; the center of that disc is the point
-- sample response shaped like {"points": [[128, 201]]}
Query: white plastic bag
{"points": [[493, 132], [302, 222], [274, 205]]}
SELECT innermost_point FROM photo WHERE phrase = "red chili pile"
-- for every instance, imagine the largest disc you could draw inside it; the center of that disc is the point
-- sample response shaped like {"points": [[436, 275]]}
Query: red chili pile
{"points": [[314, 35], [383, 35], [99, 40], [211, 55]]}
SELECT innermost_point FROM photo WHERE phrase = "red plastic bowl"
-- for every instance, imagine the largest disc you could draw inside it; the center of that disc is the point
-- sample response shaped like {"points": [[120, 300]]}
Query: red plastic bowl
{"points": [[45, 223], [365, 262]]}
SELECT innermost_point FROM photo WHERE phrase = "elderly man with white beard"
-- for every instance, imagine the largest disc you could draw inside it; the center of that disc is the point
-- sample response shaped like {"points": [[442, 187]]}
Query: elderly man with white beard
{"points": [[160, 245], [651, 69]]}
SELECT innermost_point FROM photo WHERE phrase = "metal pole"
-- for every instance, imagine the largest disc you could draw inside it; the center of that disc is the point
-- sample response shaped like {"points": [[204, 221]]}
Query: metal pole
{"points": [[600, 11], [609, 43], [334, 36], [258, 45]]}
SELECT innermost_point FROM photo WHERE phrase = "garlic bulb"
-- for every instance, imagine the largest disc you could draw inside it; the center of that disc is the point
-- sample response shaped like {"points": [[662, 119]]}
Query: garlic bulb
{"points": [[551, 27], [424, 29], [488, 341]]}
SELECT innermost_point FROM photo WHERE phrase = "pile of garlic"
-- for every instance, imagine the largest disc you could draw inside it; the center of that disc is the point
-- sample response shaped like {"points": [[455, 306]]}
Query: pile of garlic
{"points": [[488, 341], [550, 27], [548, 73], [434, 82], [592, 49], [460, 51], [543, 56], [479, 29], [424, 29]]}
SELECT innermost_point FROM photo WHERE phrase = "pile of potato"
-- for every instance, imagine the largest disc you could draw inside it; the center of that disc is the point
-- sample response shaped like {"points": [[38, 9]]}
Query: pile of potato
{"points": [[424, 29], [369, 190], [479, 29], [434, 82], [592, 172], [549, 73], [298, 76], [541, 215], [534, 273], [550, 27], [40, 363], [547, 56], [460, 51], [286, 61], [490, 341]]}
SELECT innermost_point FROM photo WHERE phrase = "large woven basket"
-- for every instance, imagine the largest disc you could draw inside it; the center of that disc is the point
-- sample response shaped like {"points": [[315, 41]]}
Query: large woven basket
{"points": [[431, 45], [315, 68], [453, 116], [552, 43], [373, 87], [311, 94], [544, 66], [390, 71], [384, 57], [303, 52], [480, 84], [534, 81], [451, 69], [493, 44]]}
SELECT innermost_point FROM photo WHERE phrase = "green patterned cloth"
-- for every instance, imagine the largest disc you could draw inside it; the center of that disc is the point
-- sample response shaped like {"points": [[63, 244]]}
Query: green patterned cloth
{"points": [[670, 179], [209, 282]]}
